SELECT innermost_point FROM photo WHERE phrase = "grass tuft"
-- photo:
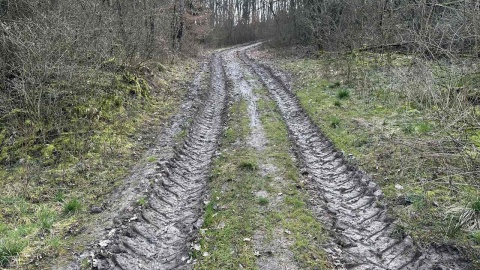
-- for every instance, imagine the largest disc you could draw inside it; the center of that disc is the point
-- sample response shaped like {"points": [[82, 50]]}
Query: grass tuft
{"points": [[46, 218], [408, 129], [343, 94], [263, 201], [10, 248], [142, 201], [248, 165], [334, 85], [59, 196], [476, 206], [73, 206], [335, 122]]}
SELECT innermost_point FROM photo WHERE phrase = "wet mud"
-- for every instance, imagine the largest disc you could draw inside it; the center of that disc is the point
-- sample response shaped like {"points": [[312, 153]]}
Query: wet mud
{"points": [[157, 233], [345, 198]]}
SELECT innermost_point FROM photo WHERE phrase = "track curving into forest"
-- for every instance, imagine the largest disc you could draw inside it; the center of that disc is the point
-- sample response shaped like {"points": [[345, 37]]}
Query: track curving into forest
{"points": [[364, 236]]}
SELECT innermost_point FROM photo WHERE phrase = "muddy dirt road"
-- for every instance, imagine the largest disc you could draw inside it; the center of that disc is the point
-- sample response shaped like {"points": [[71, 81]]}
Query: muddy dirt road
{"points": [[159, 234]]}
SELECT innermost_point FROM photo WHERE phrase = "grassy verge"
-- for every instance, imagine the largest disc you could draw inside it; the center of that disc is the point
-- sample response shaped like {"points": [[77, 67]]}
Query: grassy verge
{"points": [[53, 173], [235, 213], [410, 124]]}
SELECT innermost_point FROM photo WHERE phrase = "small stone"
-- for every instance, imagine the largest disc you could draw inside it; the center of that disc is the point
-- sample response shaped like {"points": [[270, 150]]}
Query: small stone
{"points": [[247, 239], [399, 187], [133, 218], [95, 210], [104, 243], [206, 254]]}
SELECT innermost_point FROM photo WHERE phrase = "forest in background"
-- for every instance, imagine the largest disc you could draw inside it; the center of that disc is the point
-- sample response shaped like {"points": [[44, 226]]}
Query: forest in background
{"points": [[70, 70], [46, 42]]}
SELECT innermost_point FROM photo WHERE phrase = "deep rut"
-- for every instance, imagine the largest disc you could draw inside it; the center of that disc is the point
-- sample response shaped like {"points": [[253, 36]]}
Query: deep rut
{"points": [[346, 198], [158, 235]]}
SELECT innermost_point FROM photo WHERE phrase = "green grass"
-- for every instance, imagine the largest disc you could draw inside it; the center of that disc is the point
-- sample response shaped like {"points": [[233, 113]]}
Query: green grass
{"points": [[334, 122], [306, 232], [151, 159], [234, 172], [46, 218], [235, 213], [248, 165], [262, 201], [10, 248], [73, 206], [85, 157], [476, 206], [398, 139], [343, 94], [142, 201]]}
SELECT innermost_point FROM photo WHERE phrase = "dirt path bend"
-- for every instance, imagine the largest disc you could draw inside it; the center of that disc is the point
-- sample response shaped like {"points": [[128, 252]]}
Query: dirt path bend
{"points": [[157, 235], [345, 197]]}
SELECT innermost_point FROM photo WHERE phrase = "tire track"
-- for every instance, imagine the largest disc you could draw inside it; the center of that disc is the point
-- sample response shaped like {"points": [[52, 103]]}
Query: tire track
{"points": [[158, 235], [346, 198]]}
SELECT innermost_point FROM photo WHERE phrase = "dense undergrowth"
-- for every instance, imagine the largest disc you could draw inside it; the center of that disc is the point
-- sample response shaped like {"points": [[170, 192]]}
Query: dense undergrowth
{"points": [[55, 171], [412, 124]]}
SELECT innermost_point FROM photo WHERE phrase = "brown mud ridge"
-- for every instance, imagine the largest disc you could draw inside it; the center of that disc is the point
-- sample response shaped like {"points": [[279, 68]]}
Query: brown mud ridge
{"points": [[346, 198], [158, 234]]}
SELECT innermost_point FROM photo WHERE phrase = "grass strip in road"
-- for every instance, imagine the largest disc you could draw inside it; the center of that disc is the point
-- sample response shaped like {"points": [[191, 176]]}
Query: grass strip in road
{"points": [[229, 219], [305, 232], [235, 213]]}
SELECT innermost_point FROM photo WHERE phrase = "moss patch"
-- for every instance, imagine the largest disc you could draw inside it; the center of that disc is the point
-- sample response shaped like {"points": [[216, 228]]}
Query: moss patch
{"points": [[53, 170]]}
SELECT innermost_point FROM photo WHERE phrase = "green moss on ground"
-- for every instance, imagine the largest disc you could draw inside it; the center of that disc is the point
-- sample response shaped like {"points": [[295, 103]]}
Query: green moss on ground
{"points": [[53, 170]]}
